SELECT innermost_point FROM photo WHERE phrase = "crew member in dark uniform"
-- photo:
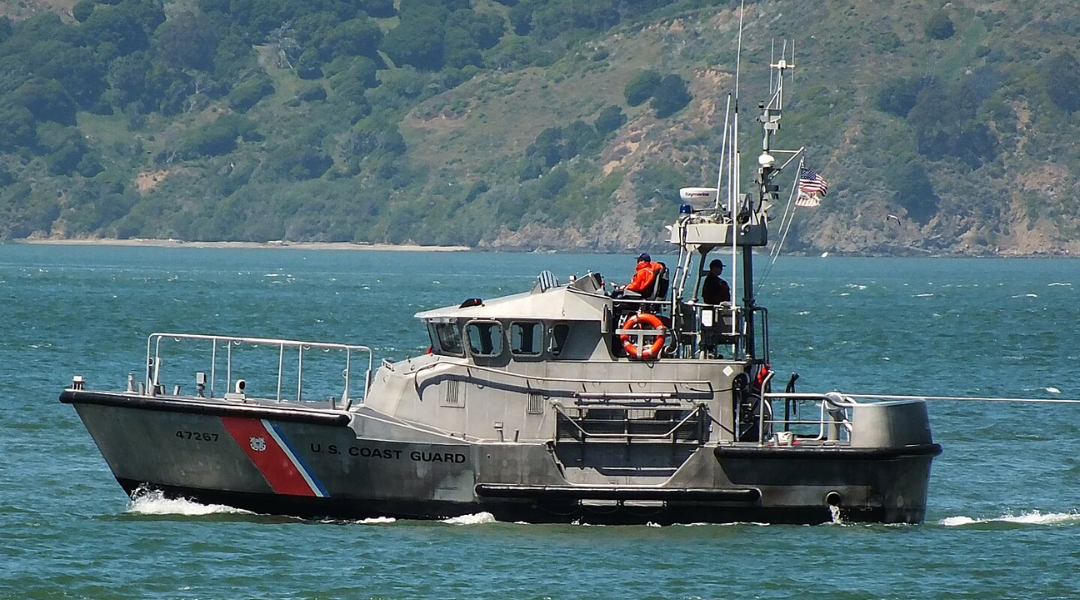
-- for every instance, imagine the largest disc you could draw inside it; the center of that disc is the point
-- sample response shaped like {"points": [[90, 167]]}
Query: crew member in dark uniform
{"points": [[715, 290]]}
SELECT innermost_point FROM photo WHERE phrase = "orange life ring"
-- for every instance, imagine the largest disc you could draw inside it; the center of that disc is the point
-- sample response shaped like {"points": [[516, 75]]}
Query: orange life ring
{"points": [[640, 320]]}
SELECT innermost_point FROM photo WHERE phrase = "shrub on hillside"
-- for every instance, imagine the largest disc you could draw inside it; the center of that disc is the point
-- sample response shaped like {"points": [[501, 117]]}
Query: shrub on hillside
{"points": [[82, 9], [639, 89], [216, 138], [939, 26], [609, 120], [248, 93]]}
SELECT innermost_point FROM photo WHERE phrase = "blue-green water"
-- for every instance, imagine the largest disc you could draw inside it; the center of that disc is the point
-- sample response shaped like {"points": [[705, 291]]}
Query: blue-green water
{"points": [[1004, 516]]}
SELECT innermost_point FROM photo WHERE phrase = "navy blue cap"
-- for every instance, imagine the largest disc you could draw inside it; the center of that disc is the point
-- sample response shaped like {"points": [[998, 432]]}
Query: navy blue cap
{"points": [[644, 256]]}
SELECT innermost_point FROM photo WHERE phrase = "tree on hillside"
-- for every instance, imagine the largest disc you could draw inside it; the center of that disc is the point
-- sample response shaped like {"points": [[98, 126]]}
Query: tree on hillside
{"points": [[417, 42], [609, 120], [670, 96], [580, 138], [47, 100], [372, 135], [82, 9], [360, 75], [187, 41], [409, 8], [898, 96], [378, 8], [77, 69], [939, 26], [17, 129], [127, 25], [484, 28], [355, 37], [1062, 76], [641, 87], [914, 191], [247, 94], [460, 50], [947, 123], [65, 150], [298, 159], [521, 18]]}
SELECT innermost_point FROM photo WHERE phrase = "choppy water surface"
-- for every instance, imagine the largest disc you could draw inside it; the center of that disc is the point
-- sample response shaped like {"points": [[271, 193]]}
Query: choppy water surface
{"points": [[1004, 517]]}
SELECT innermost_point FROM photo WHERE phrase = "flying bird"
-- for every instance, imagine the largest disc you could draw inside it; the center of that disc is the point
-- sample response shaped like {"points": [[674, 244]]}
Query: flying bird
{"points": [[887, 217]]}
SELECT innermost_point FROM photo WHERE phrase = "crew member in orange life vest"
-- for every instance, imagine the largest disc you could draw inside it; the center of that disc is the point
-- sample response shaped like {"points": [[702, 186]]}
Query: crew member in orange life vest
{"points": [[643, 280]]}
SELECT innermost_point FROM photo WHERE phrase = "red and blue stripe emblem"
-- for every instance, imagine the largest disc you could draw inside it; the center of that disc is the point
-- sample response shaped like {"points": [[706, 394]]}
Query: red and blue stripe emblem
{"points": [[274, 457]]}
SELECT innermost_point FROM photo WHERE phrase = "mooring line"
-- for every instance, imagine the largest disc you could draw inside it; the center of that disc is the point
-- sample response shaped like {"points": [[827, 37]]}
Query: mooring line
{"points": [[967, 398]]}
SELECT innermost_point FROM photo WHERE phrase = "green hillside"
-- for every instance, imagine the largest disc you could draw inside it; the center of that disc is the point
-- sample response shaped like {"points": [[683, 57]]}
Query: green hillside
{"points": [[525, 124]]}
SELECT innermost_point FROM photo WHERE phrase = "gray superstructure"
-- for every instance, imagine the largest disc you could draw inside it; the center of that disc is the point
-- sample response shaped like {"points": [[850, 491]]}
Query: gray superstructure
{"points": [[558, 404]]}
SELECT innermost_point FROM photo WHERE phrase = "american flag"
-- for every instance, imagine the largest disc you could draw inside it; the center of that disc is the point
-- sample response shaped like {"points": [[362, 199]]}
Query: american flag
{"points": [[811, 187]]}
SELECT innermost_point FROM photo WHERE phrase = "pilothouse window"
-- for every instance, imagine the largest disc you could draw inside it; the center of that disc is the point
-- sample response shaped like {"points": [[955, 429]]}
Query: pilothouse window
{"points": [[449, 338], [485, 338], [526, 339]]}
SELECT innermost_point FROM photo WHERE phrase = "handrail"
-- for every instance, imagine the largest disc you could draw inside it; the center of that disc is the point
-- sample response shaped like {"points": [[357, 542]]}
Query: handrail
{"points": [[153, 359], [470, 366], [832, 410], [670, 434]]}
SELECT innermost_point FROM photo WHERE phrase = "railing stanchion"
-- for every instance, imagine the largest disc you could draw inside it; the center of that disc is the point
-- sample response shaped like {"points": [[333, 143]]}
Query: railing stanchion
{"points": [[280, 368]]}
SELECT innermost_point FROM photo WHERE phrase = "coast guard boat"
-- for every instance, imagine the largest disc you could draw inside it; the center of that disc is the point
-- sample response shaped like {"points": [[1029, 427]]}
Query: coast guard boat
{"points": [[559, 404]]}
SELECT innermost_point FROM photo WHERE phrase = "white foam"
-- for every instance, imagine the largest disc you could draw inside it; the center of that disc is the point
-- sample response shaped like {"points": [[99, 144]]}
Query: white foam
{"points": [[923, 295], [474, 519], [1059, 284], [155, 503], [1053, 390], [1028, 518], [834, 512], [378, 521]]}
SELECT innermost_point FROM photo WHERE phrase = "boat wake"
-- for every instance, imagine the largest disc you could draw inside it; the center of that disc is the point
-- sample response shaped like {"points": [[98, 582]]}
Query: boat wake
{"points": [[1030, 518], [155, 503]]}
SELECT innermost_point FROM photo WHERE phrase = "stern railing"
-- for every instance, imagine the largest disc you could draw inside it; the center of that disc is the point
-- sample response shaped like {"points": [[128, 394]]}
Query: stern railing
{"points": [[788, 418]]}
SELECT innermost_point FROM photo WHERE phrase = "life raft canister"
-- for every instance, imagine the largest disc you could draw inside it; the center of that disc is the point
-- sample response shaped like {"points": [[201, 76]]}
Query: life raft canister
{"points": [[640, 320]]}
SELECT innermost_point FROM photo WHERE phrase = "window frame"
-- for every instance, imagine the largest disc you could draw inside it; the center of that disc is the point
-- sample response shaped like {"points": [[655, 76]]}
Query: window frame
{"points": [[501, 337], [437, 338], [540, 347]]}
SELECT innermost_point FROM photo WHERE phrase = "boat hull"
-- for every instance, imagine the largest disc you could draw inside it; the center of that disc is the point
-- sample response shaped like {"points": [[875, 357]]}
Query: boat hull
{"points": [[316, 463]]}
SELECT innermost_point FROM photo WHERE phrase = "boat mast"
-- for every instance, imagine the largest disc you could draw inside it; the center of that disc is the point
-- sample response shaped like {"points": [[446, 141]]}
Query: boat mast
{"points": [[767, 191]]}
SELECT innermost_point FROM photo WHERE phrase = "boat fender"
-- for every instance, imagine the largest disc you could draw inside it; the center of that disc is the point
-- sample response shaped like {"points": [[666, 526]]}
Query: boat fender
{"points": [[640, 320]]}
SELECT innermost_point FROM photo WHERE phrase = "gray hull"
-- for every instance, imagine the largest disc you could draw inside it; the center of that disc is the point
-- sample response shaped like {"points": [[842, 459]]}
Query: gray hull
{"points": [[361, 463]]}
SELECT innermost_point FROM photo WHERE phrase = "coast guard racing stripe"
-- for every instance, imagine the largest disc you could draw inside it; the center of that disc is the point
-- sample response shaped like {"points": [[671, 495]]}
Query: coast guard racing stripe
{"points": [[276, 460]]}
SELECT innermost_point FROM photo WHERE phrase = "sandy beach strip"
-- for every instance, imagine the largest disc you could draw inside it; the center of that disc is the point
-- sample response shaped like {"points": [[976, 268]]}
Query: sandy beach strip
{"points": [[272, 244]]}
